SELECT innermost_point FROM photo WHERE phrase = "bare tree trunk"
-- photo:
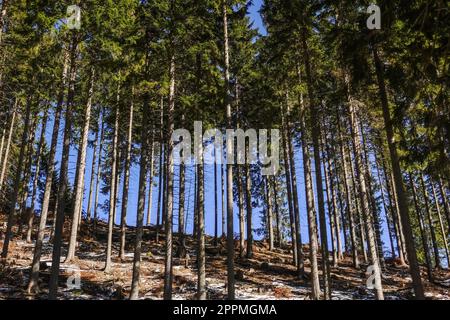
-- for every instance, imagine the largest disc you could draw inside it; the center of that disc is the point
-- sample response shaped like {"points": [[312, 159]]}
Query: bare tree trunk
{"points": [[363, 193], [240, 205], [82, 168], [358, 208], [437, 258], [112, 194], [334, 217], [277, 214], [423, 235], [330, 209], [150, 187], [444, 201], [63, 176], [300, 259], [248, 199], [385, 208], [92, 178], [8, 145], [126, 181], [311, 209], [230, 228], [403, 205], [134, 295], [161, 171], [222, 182], [269, 213], [17, 181], [315, 130], [168, 272], [216, 209], [441, 224], [289, 192], [33, 285], [36, 176], [201, 258], [28, 166], [346, 180], [98, 176], [2, 144]]}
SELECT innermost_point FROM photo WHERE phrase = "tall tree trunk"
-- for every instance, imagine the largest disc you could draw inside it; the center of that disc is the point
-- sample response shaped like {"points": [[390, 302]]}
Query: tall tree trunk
{"points": [[434, 242], [385, 209], [143, 163], [364, 196], [230, 228], [33, 285], [92, 178], [296, 207], [349, 208], [310, 208], [8, 144], [63, 176], [269, 213], [423, 234], [28, 166], [222, 182], [112, 193], [330, 208], [216, 209], [315, 131], [248, 199], [36, 176], [17, 181], [441, 224], [358, 208], [161, 171], [201, 258], [79, 192], [240, 204], [277, 214], [2, 144], [334, 217], [150, 170], [126, 181], [287, 168], [444, 201], [98, 175], [403, 205], [168, 272]]}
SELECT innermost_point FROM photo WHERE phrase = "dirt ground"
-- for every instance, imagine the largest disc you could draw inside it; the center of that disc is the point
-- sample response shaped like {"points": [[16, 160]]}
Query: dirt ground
{"points": [[268, 275]]}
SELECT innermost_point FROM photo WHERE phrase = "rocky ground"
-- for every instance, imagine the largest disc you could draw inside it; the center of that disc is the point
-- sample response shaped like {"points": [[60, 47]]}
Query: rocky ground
{"points": [[268, 275]]}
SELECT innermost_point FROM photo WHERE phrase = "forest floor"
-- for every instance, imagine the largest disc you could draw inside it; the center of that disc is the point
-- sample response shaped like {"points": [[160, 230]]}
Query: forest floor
{"points": [[268, 275]]}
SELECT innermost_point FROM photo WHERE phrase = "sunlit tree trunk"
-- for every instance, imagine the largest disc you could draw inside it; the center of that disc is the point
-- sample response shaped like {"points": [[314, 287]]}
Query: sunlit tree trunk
{"points": [[79, 192], [63, 176], [17, 180], [98, 176], [126, 180], [36, 175], [403, 205], [423, 234], [168, 274], [143, 164], [230, 228], [112, 192], [33, 285]]}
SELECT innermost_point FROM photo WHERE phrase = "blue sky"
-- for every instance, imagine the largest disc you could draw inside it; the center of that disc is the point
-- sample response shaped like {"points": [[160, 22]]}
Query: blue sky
{"points": [[209, 179]]}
